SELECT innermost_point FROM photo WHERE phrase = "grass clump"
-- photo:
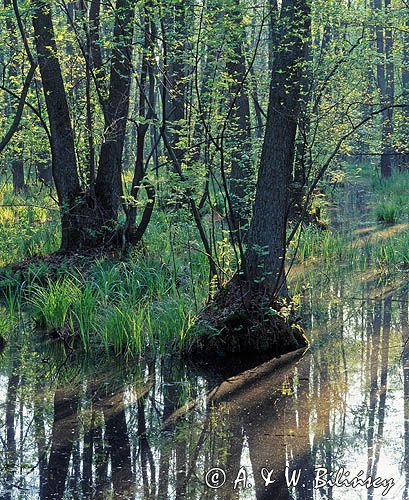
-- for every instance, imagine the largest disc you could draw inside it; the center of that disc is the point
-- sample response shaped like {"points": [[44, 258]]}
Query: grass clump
{"points": [[388, 212], [51, 305], [392, 198], [120, 307], [29, 224]]}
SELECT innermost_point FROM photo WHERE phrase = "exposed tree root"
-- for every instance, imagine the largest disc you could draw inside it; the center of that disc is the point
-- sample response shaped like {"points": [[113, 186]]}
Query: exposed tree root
{"points": [[238, 322]]}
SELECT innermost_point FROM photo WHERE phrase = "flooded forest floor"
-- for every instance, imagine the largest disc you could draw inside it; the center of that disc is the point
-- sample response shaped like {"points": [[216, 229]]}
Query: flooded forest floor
{"points": [[76, 425]]}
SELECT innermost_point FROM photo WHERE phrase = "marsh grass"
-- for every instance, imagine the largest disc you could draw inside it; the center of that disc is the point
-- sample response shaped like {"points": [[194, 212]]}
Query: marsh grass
{"points": [[386, 251], [142, 304], [392, 198], [120, 307], [147, 302], [389, 212], [29, 224]]}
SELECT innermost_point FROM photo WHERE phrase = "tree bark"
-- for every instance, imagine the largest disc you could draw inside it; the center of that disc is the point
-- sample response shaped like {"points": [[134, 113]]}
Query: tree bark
{"points": [[264, 259], [17, 161], [241, 311], [241, 171], [404, 161], [385, 78], [64, 163], [108, 186], [88, 219]]}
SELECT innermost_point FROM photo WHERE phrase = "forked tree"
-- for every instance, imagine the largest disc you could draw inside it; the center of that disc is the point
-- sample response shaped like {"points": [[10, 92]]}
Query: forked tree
{"points": [[246, 310], [89, 216]]}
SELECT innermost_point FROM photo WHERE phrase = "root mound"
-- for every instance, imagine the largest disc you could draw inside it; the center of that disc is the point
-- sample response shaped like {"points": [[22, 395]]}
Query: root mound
{"points": [[238, 322]]}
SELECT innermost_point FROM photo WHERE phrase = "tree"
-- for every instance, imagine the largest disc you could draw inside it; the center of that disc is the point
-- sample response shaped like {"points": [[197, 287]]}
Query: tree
{"points": [[17, 161], [386, 85], [244, 308], [89, 213], [240, 124]]}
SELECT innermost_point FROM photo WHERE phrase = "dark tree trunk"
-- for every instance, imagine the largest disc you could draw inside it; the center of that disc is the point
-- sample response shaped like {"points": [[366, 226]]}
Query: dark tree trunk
{"points": [[45, 174], [147, 111], [385, 77], [17, 168], [108, 186], [242, 309], [17, 162], [264, 259], [88, 219], [176, 73], [404, 160], [300, 170], [64, 163]]}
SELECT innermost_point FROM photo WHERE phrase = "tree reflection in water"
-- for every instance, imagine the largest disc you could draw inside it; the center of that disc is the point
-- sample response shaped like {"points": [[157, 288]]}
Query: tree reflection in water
{"points": [[151, 430]]}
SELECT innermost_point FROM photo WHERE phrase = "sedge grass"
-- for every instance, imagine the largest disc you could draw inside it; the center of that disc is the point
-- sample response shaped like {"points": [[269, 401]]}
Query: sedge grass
{"points": [[147, 304]]}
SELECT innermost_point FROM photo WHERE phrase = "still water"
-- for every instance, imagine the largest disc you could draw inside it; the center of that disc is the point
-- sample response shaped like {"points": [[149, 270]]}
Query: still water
{"points": [[73, 428]]}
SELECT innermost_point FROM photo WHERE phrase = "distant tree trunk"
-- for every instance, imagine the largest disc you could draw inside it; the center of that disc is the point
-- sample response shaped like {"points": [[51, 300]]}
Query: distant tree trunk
{"points": [[242, 309], [17, 162], [385, 77], [272, 19], [175, 33], [404, 161], [240, 140], [176, 73], [146, 111], [45, 174], [17, 169], [300, 170]]}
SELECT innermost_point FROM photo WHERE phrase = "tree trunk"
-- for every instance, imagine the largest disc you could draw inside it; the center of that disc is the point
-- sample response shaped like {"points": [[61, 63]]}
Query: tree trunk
{"points": [[17, 162], [385, 77], [176, 73], [241, 311], [83, 215], [64, 163], [146, 111], [108, 186], [264, 259], [241, 172], [404, 160]]}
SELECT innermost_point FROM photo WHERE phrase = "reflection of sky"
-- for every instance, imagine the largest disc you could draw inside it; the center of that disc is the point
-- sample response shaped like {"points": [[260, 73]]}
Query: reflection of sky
{"points": [[352, 450], [348, 433]]}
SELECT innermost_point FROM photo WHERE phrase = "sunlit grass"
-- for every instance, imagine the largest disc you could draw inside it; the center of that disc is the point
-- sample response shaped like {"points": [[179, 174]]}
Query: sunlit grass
{"points": [[131, 307], [147, 302], [29, 224], [392, 198], [385, 247]]}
